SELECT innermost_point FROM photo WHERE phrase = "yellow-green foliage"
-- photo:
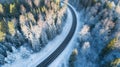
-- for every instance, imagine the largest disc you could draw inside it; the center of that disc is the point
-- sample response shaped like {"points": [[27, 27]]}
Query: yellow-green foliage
{"points": [[57, 2], [109, 47], [3, 30], [0, 26], [3, 26], [115, 63], [2, 36], [12, 8], [36, 10], [11, 28], [1, 8], [73, 57], [75, 52], [110, 5], [43, 9], [112, 43]]}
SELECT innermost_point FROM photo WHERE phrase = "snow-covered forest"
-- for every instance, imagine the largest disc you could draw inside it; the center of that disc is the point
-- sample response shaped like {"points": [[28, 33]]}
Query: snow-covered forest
{"points": [[99, 36], [30, 24], [31, 28]]}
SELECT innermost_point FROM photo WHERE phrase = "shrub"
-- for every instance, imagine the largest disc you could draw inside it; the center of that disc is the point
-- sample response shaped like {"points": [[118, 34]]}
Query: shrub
{"points": [[73, 57], [3, 30], [115, 62], [75, 52], [2, 36], [11, 28], [43, 9], [108, 48], [110, 5], [3, 26], [12, 8], [112, 43]]}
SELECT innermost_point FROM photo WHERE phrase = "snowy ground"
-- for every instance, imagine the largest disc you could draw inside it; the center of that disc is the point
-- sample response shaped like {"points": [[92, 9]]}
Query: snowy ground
{"points": [[36, 58]]}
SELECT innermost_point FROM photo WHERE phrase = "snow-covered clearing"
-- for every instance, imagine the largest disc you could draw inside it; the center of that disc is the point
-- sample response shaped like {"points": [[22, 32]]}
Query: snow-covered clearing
{"points": [[36, 58]]}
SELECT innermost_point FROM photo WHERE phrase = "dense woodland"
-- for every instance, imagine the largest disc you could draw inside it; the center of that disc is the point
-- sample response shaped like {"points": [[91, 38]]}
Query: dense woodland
{"points": [[99, 37], [31, 22]]}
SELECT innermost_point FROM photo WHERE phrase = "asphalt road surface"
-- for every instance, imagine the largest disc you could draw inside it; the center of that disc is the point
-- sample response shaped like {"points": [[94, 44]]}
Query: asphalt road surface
{"points": [[63, 45]]}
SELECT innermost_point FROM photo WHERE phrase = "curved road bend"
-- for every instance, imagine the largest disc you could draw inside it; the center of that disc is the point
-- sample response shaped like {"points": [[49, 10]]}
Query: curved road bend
{"points": [[63, 45]]}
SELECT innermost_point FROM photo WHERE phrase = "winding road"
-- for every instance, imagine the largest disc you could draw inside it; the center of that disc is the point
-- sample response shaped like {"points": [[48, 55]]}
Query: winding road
{"points": [[63, 45]]}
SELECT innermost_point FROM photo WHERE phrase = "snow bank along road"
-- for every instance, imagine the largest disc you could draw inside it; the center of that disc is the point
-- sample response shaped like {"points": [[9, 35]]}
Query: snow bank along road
{"points": [[63, 45]]}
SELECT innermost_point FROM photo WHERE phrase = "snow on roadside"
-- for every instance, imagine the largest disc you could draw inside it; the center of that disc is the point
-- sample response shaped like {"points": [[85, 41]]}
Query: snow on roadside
{"points": [[63, 58], [36, 58]]}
